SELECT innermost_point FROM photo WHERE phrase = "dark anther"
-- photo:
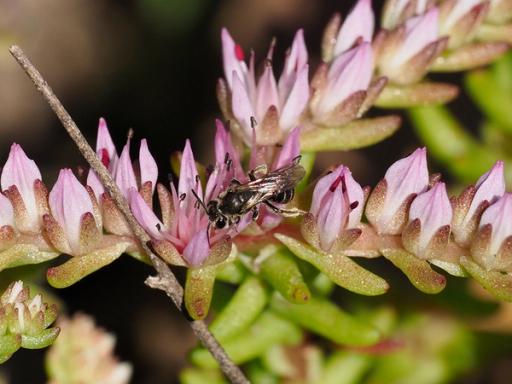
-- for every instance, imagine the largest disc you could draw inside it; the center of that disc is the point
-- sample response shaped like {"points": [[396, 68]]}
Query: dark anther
{"points": [[335, 184], [254, 123], [158, 227], [183, 196], [343, 184], [354, 205], [197, 179], [226, 158]]}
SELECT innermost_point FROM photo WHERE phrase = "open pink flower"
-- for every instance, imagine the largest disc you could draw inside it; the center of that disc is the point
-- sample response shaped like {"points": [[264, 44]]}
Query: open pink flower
{"points": [[337, 206], [342, 90], [404, 54], [72, 226], [275, 107], [185, 236], [430, 215], [21, 183], [469, 206], [388, 205], [492, 246]]}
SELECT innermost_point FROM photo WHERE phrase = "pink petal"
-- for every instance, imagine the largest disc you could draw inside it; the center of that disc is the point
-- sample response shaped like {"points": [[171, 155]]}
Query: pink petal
{"points": [[22, 172], [223, 146], [198, 249], [125, 175], [296, 102], [403, 178], [289, 151], [144, 215], [434, 210], [322, 189], [69, 201], [296, 60], [148, 167], [189, 177], [241, 105], [232, 55], [267, 94], [420, 31], [499, 216], [105, 147], [459, 10], [359, 23], [94, 182], [355, 195], [331, 218], [490, 186], [6, 211]]}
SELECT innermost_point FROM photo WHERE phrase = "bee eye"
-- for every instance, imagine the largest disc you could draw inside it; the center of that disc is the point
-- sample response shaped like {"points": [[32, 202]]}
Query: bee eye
{"points": [[220, 223]]}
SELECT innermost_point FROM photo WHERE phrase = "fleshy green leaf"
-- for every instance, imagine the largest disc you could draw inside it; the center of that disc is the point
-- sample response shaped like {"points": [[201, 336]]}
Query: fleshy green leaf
{"points": [[78, 267], [345, 368], [201, 376], [418, 271], [357, 134], [22, 254], [469, 56], [8, 345], [199, 290], [43, 340], [308, 162], [268, 330], [281, 271], [243, 308], [326, 319], [233, 273], [497, 283], [339, 268], [395, 96]]}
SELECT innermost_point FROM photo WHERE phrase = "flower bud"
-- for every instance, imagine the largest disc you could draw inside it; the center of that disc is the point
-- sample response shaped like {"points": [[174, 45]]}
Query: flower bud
{"points": [[342, 90], [395, 12], [72, 227], [21, 183], [469, 206], [335, 213], [492, 245], [405, 53], [428, 231], [460, 19], [388, 205]]}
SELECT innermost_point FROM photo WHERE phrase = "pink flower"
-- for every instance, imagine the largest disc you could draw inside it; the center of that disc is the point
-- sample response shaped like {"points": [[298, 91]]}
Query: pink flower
{"points": [[387, 208], [21, 182], [359, 24], [72, 227], [430, 215], [342, 91], [6, 212], [492, 246], [337, 205], [405, 53], [276, 107], [469, 206], [397, 11], [185, 236]]}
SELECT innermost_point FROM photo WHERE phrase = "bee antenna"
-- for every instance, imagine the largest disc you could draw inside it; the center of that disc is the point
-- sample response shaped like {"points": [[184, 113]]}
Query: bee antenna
{"points": [[200, 201]]}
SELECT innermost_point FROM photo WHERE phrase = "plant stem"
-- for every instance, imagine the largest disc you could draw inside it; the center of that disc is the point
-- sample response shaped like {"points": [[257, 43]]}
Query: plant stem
{"points": [[165, 280]]}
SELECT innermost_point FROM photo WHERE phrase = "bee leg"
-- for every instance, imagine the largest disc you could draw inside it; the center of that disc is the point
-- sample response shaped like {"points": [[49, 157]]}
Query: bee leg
{"points": [[258, 172], [292, 212]]}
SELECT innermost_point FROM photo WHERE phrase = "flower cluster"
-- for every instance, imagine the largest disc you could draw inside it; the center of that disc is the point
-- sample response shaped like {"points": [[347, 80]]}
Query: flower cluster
{"points": [[24, 321]]}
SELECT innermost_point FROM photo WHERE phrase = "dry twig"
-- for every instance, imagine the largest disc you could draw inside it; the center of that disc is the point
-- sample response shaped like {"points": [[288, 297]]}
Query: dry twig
{"points": [[165, 280]]}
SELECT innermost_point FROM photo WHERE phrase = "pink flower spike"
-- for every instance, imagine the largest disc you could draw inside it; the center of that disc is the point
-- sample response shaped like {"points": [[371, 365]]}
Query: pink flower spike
{"points": [[359, 23], [148, 167], [6, 211], [289, 151], [490, 187], [296, 60], [144, 215], [499, 216], [125, 175], [69, 201], [233, 58], [198, 248], [434, 211], [22, 172], [266, 94]]}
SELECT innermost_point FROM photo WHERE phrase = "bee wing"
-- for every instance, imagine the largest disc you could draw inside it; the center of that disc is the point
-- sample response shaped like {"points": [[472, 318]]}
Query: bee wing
{"points": [[287, 177]]}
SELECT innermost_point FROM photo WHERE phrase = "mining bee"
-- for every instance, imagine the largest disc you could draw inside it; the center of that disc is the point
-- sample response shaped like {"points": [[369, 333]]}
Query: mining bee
{"points": [[263, 187]]}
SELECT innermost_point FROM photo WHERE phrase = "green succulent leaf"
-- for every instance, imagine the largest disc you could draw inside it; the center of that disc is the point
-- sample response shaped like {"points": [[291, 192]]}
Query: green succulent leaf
{"points": [[199, 290], [418, 271], [8, 345], [469, 56], [282, 272], [42, 340], [345, 368], [339, 268], [395, 96], [243, 308], [22, 254], [326, 319], [360, 133], [497, 283], [201, 376]]}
